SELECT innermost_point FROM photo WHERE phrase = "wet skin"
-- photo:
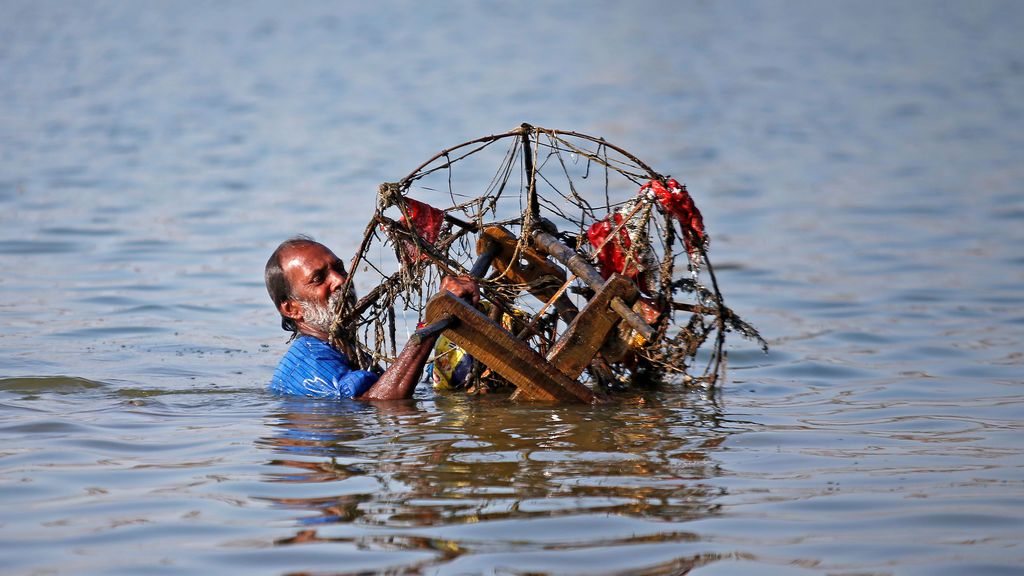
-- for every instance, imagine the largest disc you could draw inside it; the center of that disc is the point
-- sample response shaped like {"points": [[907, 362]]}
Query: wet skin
{"points": [[314, 273]]}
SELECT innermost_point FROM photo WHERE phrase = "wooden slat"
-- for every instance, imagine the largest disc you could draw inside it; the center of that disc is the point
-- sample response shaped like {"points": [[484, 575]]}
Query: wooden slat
{"points": [[528, 267], [499, 350], [591, 277], [588, 331]]}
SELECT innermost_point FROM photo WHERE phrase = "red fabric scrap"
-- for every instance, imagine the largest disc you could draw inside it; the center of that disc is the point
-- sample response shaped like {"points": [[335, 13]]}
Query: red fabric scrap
{"points": [[677, 201], [426, 220], [611, 258], [426, 223]]}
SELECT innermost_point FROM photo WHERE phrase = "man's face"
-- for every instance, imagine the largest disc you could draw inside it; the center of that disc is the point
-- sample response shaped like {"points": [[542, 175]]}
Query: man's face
{"points": [[314, 274]]}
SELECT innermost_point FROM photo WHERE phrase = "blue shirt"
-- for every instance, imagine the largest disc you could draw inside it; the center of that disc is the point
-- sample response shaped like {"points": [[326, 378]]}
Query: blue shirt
{"points": [[311, 367]]}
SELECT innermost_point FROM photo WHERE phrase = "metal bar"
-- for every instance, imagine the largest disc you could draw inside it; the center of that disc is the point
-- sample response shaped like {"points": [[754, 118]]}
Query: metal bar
{"points": [[531, 182], [483, 262], [461, 223], [433, 329], [592, 278]]}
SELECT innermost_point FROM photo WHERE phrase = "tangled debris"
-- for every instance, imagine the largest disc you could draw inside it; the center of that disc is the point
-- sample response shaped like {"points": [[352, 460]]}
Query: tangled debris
{"points": [[557, 199]]}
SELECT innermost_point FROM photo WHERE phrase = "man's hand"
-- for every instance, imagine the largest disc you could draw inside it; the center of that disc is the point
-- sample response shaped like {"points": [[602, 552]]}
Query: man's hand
{"points": [[399, 380], [464, 287]]}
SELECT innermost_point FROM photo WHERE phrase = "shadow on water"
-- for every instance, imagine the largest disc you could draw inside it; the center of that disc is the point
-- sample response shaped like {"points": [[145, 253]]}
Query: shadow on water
{"points": [[480, 482]]}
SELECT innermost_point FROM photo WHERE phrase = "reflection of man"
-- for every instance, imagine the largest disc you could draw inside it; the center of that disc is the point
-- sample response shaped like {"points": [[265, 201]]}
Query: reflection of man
{"points": [[304, 279]]}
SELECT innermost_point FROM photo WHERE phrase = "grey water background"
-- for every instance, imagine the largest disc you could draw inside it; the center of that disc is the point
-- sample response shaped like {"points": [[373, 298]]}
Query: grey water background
{"points": [[860, 167]]}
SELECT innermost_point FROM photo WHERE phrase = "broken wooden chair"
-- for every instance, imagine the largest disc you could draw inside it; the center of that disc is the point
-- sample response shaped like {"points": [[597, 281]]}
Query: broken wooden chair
{"points": [[553, 377]]}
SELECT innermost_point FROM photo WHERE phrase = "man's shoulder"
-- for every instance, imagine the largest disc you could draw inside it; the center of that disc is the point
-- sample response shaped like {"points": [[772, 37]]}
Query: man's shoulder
{"points": [[311, 367], [314, 354], [310, 346], [309, 363]]}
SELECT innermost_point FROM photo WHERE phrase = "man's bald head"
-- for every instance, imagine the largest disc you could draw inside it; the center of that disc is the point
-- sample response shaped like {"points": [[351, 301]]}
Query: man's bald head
{"points": [[273, 274]]}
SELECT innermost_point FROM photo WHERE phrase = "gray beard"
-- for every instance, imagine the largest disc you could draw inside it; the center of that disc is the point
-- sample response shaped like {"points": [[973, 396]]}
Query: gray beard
{"points": [[319, 316]]}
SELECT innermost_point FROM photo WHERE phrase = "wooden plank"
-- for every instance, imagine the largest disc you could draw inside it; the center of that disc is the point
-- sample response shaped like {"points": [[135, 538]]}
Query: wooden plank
{"points": [[500, 351], [542, 277], [588, 331], [591, 277]]}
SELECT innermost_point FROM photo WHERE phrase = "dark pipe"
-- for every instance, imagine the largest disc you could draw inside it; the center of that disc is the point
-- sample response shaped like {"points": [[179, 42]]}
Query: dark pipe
{"points": [[480, 267]]}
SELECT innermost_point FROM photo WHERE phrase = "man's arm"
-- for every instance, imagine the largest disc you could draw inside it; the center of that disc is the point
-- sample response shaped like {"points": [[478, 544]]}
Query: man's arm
{"points": [[399, 380]]}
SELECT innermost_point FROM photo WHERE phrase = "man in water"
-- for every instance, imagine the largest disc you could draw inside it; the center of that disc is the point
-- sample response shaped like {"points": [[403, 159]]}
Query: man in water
{"points": [[304, 279]]}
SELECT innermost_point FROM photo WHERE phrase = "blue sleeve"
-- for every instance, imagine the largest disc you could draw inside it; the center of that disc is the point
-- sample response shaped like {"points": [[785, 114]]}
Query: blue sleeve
{"points": [[312, 368], [355, 383]]}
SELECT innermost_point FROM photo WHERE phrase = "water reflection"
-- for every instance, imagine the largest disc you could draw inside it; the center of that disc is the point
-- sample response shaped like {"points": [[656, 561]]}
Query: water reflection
{"points": [[460, 475]]}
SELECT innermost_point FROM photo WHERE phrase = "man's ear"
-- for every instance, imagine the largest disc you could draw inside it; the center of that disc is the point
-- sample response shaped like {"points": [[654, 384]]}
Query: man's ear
{"points": [[291, 308]]}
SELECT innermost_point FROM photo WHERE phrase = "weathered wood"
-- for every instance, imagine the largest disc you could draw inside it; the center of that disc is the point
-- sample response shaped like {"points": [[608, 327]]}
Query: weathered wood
{"points": [[588, 331], [592, 278], [526, 266], [500, 351], [487, 253]]}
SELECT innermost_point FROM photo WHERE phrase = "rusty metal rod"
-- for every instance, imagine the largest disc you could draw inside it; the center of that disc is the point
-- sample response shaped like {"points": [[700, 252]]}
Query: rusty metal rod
{"points": [[461, 223], [433, 329], [483, 262], [579, 266], [531, 175]]}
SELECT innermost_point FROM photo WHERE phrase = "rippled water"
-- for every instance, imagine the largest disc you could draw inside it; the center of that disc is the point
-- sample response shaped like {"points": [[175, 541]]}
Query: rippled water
{"points": [[860, 170]]}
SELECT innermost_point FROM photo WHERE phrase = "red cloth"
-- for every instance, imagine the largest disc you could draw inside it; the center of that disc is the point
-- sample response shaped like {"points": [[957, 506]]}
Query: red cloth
{"points": [[676, 201], [612, 257], [426, 220], [426, 223]]}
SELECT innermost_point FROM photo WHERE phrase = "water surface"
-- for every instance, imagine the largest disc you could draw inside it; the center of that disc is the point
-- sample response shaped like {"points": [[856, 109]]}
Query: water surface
{"points": [[860, 170]]}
